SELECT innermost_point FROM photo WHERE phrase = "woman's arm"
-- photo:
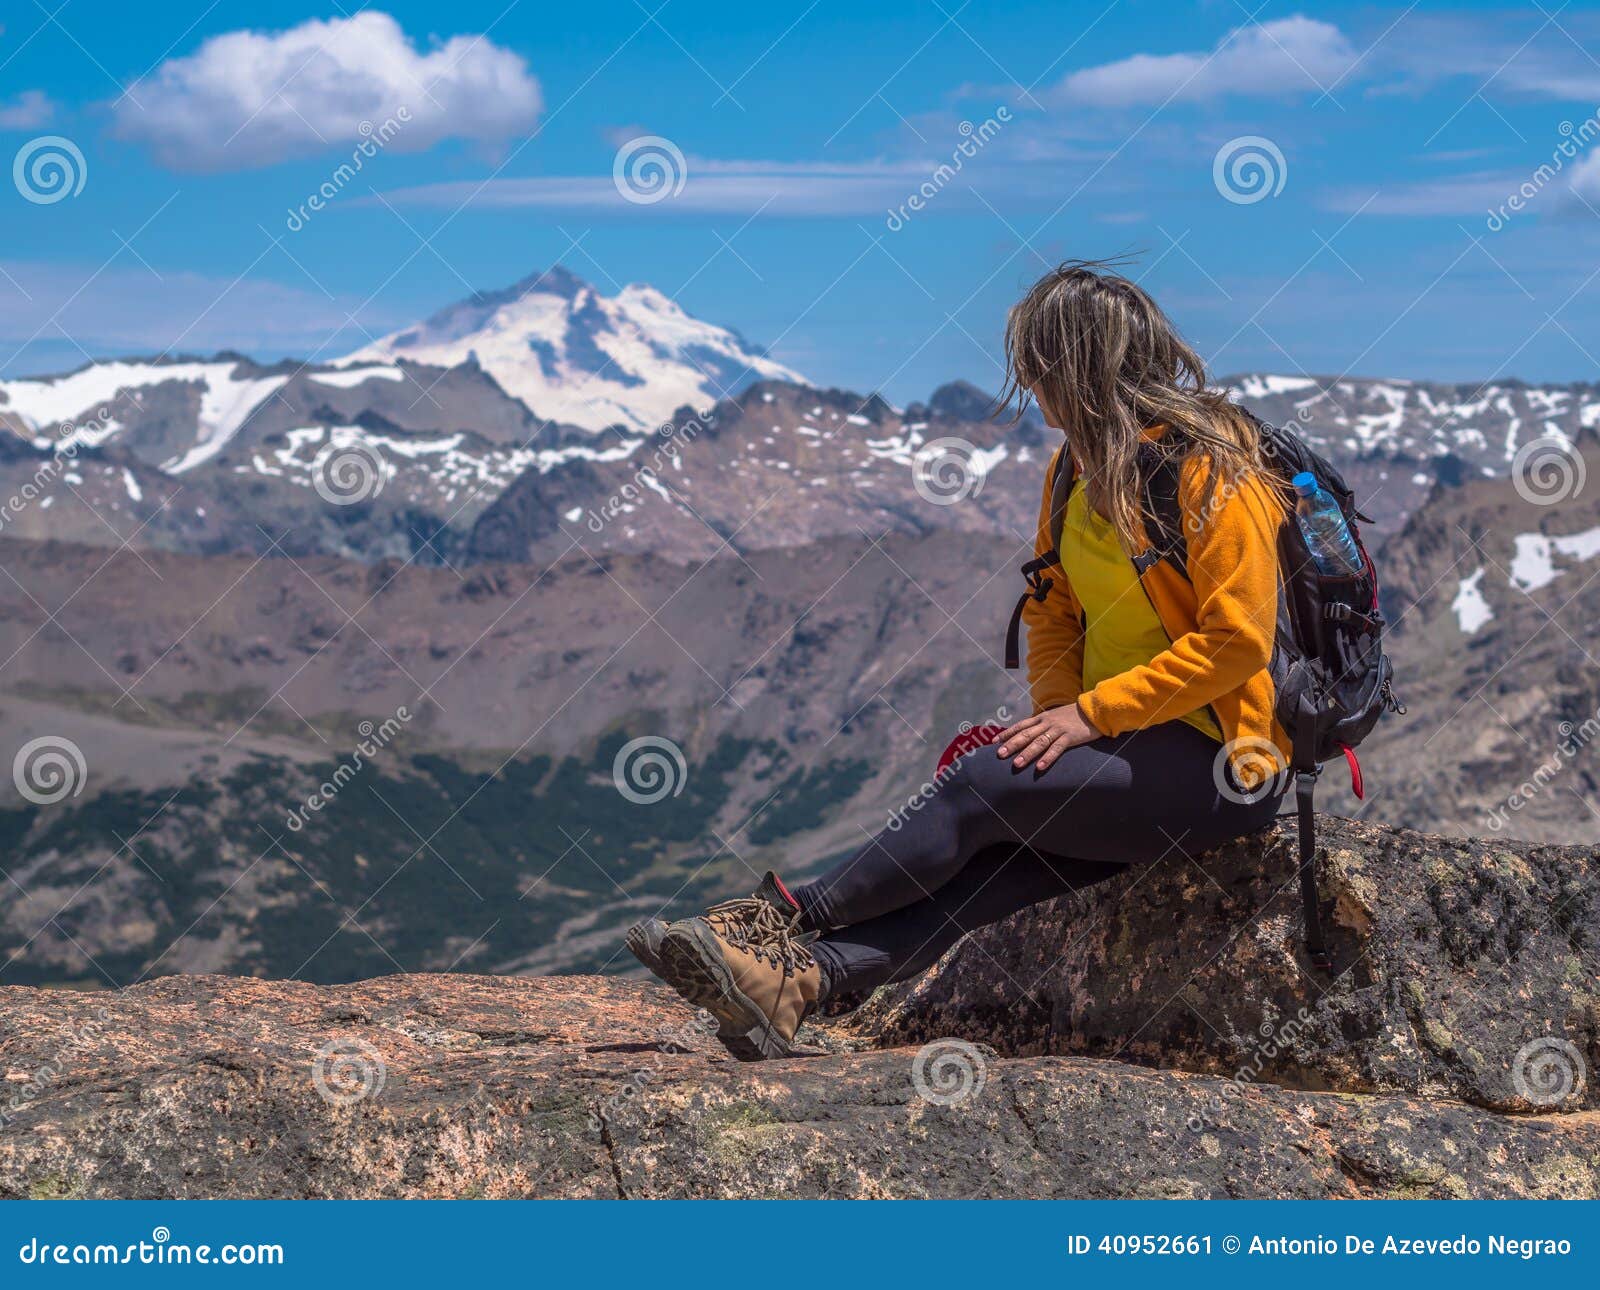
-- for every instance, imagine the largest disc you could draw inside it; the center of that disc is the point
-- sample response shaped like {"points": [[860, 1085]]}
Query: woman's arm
{"points": [[1233, 564], [1055, 627]]}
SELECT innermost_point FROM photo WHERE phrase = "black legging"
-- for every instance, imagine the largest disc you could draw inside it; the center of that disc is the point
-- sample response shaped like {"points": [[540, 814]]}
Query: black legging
{"points": [[992, 840]]}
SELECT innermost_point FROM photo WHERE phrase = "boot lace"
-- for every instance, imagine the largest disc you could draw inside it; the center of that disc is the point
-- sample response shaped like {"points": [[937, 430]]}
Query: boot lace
{"points": [[759, 927]]}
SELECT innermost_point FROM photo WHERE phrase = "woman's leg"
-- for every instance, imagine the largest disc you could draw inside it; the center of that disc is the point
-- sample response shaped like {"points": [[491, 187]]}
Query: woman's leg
{"points": [[995, 884], [1124, 800]]}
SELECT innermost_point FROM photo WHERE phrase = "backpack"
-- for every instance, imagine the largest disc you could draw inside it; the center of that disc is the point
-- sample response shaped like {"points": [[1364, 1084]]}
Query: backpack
{"points": [[1330, 674]]}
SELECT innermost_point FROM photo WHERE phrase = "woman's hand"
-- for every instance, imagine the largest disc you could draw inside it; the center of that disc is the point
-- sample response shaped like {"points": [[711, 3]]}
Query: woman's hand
{"points": [[1045, 736]]}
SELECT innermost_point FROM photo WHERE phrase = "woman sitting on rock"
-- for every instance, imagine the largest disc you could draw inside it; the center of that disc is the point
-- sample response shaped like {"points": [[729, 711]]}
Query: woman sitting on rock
{"points": [[1149, 689]]}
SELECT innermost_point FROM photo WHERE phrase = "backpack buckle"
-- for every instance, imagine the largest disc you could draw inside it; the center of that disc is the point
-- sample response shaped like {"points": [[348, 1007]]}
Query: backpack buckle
{"points": [[1038, 585], [1336, 611]]}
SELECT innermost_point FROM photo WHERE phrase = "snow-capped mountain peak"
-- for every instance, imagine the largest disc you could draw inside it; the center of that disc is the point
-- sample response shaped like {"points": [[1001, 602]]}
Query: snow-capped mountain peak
{"points": [[577, 356]]}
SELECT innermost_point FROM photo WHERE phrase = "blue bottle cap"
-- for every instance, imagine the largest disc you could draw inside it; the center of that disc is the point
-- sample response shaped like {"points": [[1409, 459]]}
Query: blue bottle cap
{"points": [[1305, 483]]}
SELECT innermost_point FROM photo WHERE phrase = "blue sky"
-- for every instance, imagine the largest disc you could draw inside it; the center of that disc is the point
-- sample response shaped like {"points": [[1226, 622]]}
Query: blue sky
{"points": [[1392, 141]]}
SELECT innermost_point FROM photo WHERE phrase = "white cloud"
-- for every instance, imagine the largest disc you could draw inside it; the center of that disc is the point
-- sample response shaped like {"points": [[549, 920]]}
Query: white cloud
{"points": [[1553, 188], [1585, 179], [1285, 56], [248, 98], [1532, 55], [28, 111], [711, 186], [1470, 194]]}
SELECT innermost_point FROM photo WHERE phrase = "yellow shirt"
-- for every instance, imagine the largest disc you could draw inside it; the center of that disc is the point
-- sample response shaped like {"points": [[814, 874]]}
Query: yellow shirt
{"points": [[1121, 630]]}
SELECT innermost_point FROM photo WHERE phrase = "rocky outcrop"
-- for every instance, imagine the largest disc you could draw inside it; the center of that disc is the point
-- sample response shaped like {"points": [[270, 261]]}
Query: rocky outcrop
{"points": [[582, 1086], [1144, 1041], [1463, 969]]}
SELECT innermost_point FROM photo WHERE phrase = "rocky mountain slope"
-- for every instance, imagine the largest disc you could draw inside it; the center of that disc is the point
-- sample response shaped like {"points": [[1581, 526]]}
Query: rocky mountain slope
{"points": [[801, 692], [806, 689], [1381, 1081], [1493, 589]]}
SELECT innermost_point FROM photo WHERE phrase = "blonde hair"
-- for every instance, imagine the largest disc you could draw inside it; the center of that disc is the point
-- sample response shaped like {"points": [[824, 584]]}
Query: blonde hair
{"points": [[1105, 364]]}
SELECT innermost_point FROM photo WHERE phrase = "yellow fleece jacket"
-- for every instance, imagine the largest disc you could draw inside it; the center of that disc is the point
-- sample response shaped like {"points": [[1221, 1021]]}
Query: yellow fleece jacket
{"points": [[1220, 621]]}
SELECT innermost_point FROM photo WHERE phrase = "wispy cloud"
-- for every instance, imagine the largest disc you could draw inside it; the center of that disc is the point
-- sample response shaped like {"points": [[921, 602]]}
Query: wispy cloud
{"points": [[1541, 55], [28, 111], [710, 188], [247, 99], [1457, 195], [1295, 55]]}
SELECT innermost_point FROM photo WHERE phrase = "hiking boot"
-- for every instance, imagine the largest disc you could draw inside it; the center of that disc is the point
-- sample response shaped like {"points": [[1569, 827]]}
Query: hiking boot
{"points": [[644, 942], [742, 962]]}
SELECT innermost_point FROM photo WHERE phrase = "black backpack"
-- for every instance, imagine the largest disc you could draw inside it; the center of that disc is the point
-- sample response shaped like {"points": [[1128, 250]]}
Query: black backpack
{"points": [[1331, 676]]}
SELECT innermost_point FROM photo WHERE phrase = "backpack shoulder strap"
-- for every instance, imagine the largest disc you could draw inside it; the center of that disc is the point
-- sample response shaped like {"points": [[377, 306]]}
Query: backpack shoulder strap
{"points": [[1160, 474], [1062, 477]]}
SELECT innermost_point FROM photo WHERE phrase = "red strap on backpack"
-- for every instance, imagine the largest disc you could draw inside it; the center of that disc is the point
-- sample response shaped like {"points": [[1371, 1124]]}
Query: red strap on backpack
{"points": [[1357, 785]]}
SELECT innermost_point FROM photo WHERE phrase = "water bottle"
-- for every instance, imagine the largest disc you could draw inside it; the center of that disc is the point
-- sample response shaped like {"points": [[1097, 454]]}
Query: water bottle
{"points": [[1327, 535]]}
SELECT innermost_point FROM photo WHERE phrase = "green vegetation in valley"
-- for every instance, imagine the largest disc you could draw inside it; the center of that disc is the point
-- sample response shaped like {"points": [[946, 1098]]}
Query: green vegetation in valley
{"points": [[413, 864]]}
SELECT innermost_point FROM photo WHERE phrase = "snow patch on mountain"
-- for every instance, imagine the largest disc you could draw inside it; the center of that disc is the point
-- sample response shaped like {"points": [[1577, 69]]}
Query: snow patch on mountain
{"points": [[1471, 609], [1534, 565], [65, 405], [446, 465], [349, 377]]}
